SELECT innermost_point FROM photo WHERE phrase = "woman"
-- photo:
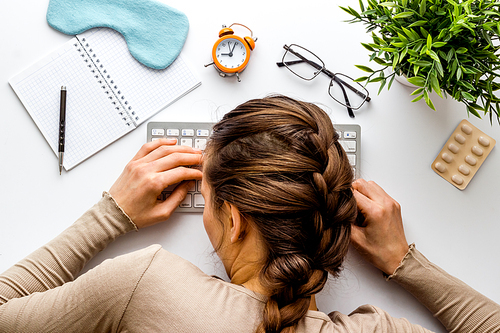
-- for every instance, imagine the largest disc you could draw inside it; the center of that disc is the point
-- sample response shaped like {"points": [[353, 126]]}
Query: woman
{"points": [[280, 210]]}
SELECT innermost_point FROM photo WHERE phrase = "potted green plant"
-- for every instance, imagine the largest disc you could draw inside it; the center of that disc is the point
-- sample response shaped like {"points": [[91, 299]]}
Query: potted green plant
{"points": [[449, 46]]}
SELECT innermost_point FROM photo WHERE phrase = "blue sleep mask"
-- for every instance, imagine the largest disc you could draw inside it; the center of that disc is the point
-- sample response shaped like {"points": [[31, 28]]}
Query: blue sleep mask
{"points": [[155, 32]]}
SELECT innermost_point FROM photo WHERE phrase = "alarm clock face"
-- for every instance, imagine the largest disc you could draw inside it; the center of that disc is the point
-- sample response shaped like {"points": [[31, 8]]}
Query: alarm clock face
{"points": [[231, 55]]}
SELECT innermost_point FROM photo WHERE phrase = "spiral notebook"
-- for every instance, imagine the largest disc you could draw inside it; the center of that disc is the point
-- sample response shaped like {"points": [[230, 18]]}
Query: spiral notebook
{"points": [[109, 93]]}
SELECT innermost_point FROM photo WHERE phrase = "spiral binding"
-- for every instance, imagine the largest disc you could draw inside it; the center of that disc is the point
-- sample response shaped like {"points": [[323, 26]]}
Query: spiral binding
{"points": [[103, 78]]}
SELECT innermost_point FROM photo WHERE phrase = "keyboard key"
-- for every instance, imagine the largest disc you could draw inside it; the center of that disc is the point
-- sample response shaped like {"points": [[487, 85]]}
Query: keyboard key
{"points": [[349, 135], [202, 132], [173, 132], [199, 201], [348, 145], [157, 131], [187, 202], [352, 159], [187, 142], [200, 143], [188, 132]]}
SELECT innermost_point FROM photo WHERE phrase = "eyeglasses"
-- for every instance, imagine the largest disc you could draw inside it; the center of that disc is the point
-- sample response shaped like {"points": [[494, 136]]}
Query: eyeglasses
{"points": [[307, 66]]}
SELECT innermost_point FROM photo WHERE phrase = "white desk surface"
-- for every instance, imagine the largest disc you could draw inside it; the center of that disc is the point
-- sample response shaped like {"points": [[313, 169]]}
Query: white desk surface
{"points": [[458, 230]]}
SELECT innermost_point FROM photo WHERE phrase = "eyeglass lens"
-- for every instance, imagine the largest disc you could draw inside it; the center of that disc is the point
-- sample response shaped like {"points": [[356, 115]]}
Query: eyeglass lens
{"points": [[302, 62], [344, 88]]}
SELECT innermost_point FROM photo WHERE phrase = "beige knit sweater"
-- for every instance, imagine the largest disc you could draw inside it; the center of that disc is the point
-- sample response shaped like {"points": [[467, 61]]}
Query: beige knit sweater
{"points": [[152, 290]]}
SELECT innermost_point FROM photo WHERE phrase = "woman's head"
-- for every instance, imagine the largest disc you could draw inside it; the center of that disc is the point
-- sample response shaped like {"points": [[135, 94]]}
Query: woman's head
{"points": [[279, 162]]}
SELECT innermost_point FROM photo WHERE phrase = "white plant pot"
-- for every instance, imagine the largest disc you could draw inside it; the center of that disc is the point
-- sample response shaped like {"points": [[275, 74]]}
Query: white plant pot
{"points": [[404, 81]]}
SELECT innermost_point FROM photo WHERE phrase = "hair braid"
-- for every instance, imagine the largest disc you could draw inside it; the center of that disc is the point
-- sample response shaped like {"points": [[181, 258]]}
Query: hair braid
{"points": [[279, 161]]}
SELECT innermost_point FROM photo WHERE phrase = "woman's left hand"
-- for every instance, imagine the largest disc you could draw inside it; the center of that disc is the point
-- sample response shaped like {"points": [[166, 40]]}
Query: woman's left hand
{"points": [[157, 165]]}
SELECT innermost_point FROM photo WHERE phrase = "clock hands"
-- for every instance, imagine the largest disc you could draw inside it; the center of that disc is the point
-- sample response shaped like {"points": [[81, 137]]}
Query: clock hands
{"points": [[230, 50]]}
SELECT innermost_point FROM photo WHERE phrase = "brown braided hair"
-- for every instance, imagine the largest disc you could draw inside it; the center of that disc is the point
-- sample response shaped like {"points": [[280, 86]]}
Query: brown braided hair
{"points": [[278, 160]]}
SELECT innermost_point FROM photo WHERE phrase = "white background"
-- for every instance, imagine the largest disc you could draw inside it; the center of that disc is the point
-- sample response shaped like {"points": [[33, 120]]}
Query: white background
{"points": [[457, 230]]}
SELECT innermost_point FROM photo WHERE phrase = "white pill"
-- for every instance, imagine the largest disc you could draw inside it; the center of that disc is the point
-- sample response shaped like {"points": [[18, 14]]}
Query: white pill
{"points": [[466, 129], [477, 151], [470, 160], [483, 141], [460, 138], [457, 179], [440, 167], [464, 170], [447, 157], [453, 148]]}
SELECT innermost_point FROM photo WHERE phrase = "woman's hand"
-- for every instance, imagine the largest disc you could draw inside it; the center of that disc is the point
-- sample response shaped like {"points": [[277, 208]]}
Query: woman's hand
{"points": [[157, 165], [380, 239]]}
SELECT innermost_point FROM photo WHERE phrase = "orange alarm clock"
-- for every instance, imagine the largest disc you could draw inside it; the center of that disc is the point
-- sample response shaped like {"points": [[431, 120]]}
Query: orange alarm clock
{"points": [[231, 53]]}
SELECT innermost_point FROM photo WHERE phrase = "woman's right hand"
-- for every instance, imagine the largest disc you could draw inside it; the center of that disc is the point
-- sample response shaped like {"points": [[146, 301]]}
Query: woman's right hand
{"points": [[157, 165], [380, 239]]}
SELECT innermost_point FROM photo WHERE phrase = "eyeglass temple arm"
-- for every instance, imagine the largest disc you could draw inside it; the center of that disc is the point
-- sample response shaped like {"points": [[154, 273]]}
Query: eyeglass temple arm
{"points": [[348, 104]]}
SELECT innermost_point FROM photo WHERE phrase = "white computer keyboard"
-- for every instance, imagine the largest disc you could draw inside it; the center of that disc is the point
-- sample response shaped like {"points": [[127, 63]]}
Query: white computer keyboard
{"points": [[196, 134]]}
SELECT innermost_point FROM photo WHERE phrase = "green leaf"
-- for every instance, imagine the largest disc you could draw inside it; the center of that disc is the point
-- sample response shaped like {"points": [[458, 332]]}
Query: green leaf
{"points": [[429, 41], [466, 85], [424, 32], [389, 49], [403, 38], [368, 47], [398, 44], [424, 50], [439, 68], [361, 6], [365, 69], [408, 33], [379, 61], [417, 80], [422, 63], [417, 91], [428, 100], [390, 82], [388, 4], [412, 53], [434, 56], [438, 44], [347, 10], [403, 15], [417, 24], [418, 98], [468, 96], [377, 79], [490, 12], [459, 73], [473, 111], [423, 7], [403, 53], [435, 85], [461, 50], [477, 107], [449, 55], [361, 79], [382, 84], [395, 60]]}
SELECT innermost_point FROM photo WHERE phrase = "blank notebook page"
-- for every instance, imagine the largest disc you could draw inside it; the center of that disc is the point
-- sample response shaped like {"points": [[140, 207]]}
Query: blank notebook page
{"points": [[91, 122], [144, 89]]}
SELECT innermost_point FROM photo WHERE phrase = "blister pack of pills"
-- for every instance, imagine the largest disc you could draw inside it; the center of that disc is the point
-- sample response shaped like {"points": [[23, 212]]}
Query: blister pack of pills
{"points": [[463, 154]]}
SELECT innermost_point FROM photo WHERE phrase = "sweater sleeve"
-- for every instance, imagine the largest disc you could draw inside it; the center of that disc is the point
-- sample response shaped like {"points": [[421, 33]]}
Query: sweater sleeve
{"points": [[459, 307], [60, 260]]}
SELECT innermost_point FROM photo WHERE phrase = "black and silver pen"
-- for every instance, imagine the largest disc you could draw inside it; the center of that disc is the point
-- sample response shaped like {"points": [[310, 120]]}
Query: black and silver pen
{"points": [[62, 127]]}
